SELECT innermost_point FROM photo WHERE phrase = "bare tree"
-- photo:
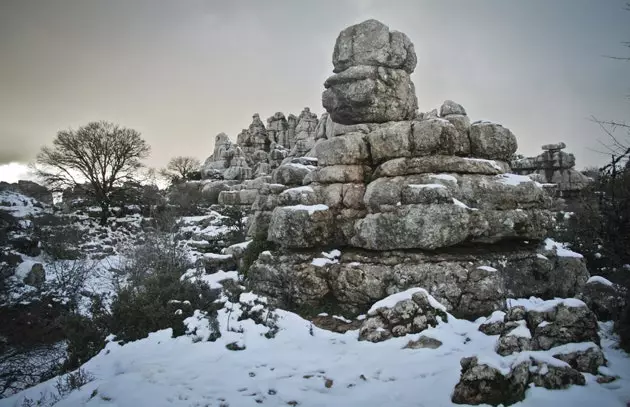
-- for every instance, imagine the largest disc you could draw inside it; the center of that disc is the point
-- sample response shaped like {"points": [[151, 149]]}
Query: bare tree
{"points": [[181, 169], [102, 155]]}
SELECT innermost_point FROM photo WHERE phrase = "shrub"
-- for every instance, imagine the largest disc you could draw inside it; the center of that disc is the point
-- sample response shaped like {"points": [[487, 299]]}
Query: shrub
{"points": [[59, 237], [234, 218], [85, 336], [155, 296]]}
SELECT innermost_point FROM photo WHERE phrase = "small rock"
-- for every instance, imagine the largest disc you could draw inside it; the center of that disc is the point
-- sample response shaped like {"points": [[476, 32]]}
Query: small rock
{"points": [[423, 342]]}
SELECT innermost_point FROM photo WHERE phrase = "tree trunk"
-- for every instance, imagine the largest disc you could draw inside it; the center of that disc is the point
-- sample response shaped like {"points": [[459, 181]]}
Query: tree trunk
{"points": [[104, 213]]}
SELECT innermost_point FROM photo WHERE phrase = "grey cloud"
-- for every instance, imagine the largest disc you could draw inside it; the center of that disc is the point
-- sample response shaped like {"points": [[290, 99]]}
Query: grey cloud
{"points": [[181, 72]]}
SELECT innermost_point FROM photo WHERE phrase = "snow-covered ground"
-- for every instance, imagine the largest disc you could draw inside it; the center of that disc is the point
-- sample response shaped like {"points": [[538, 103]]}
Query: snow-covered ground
{"points": [[302, 365], [306, 366]]}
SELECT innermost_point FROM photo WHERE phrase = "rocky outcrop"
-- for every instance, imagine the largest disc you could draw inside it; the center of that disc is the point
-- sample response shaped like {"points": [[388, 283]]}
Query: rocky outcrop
{"points": [[546, 345], [553, 166], [605, 298], [371, 82], [421, 200], [483, 383], [259, 150], [407, 312]]}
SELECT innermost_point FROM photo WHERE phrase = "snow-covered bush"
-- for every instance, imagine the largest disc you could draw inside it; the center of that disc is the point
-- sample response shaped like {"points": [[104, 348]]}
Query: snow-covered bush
{"points": [[152, 294]]}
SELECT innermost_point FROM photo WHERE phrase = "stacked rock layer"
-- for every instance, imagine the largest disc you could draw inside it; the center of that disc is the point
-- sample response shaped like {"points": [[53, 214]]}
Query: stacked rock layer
{"points": [[412, 199]]}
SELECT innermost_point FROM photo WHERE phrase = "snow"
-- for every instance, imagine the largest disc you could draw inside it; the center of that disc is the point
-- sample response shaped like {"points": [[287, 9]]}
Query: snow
{"points": [[428, 186], [332, 254], [217, 256], [311, 209], [301, 166], [19, 205], [295, 365], [521, 330], [444, 177], [560, 249], [214, 279], [551, 304], [392, 300], [540, 256], [600, 280], [497, 316], [341, 318], [463, 205], [251, 298], [491, 162], [305, 189], [513, 179], [572, 347], [487, 268], [321, 262]]}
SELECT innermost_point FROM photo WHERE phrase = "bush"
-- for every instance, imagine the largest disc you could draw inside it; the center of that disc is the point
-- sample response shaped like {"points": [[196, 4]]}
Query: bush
{"points": [[155, 296], [85, 336], [234, 218], [59, 237]]}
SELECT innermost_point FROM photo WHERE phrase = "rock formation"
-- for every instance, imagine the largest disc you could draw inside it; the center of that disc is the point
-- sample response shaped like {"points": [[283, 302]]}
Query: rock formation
{"points": [[259, 150], [410, 200], [371, 82], [553, 166]]}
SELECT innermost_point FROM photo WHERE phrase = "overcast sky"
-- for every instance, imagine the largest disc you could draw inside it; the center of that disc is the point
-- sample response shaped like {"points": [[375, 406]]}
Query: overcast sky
{"points": [[182, 71]]}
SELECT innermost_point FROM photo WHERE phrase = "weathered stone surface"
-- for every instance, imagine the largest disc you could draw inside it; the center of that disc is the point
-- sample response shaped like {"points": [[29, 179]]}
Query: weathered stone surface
{"points": [[371, 43], [451, 108], [462, 280], [413, 226], [349, 149], [517, 339], [242, 197], [553, 166], [556, 146], [211, 190], [341, 174], [367, 94], [476, 191], [555, 377], [391, 140], [215, 262], [425, 194], [439, 164], [492, 141], [423, 342], [410, 315], [605, 299], [483, 384], [565, 322], [304, 195], [301, 226], [588, 360], [292, 173], [438, 136]]}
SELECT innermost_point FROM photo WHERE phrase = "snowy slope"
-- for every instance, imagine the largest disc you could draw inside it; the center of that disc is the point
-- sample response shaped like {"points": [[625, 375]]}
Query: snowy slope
{"points": [[297, 368]]}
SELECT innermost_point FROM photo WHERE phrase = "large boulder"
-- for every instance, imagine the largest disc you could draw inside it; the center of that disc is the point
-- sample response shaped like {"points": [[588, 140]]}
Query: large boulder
{"points": [[369, 94], [292, 173], [371, 43], [492, 141], [301, 226], [606, 299], [413, 227]]}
